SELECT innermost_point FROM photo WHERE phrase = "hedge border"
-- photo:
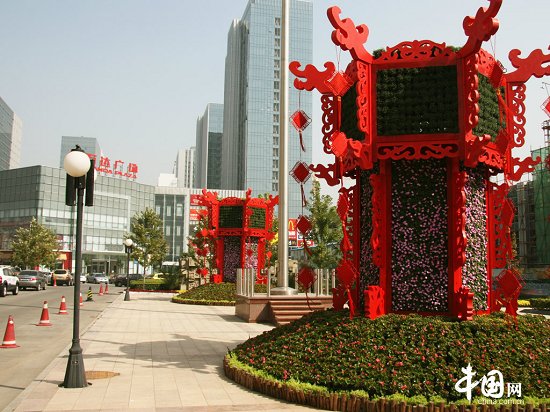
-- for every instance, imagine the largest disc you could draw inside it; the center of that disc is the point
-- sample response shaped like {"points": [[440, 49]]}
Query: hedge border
{"points": [[175, 299], [347, 402]]}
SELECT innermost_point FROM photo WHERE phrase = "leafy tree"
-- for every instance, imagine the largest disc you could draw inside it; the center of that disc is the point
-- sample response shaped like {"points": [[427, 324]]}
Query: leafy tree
{"points": [[198, 242], [35, 245], [149, 246], [326, 230]]}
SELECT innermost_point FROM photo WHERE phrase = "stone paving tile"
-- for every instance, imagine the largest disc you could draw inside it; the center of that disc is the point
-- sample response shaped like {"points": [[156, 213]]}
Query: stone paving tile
{"points": [[169, 358]]}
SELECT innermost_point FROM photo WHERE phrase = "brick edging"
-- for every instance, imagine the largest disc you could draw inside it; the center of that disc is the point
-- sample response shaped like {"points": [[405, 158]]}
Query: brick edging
{"points": [[350, 403]]}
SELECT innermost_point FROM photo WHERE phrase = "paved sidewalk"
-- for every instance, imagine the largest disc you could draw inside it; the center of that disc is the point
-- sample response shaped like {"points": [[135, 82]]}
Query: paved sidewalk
{"points": [[169, 358]]}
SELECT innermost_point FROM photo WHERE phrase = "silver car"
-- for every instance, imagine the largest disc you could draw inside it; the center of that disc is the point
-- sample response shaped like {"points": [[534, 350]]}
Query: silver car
{"points": [[32, 279], [97, 278]]}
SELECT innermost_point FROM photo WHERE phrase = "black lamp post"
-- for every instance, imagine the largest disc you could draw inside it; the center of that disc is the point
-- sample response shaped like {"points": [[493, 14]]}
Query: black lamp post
{"points": [[128, 245], [80, 177]]}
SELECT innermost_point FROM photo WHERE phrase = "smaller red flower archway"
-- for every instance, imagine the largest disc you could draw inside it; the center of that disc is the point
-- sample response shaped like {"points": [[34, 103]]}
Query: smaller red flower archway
{"points": [[240, 229]]}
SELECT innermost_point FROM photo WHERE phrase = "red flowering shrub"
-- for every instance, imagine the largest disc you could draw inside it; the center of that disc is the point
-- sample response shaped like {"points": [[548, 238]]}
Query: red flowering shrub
{"points": [[411, 355]]}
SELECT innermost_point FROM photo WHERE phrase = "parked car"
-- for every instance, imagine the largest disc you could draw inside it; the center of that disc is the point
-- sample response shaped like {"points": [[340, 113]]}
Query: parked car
{"points": [[32, 279], [121, 279], [97, 278], [62, 277], [82, 278], [8, 282]]}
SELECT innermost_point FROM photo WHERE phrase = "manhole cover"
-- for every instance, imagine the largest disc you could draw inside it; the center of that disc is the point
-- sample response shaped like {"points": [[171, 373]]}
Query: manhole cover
{"points": [[100, 374]]}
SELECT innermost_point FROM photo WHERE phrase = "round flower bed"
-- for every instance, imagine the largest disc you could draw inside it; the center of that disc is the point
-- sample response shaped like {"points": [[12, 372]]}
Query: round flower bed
{"points": [[412, 357]]}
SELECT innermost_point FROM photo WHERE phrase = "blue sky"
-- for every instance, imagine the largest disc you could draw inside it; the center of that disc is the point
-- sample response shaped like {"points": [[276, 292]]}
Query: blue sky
{"points": [[136, 74]]}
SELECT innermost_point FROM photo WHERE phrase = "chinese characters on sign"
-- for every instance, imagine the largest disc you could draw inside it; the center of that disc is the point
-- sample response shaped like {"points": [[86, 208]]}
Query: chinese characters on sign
{"points": [[118, 168], [492, 384]]}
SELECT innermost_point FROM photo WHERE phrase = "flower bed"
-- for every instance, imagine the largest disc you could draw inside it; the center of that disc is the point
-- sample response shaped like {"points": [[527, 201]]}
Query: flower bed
{"points": [[407, 355], [221, 294]]}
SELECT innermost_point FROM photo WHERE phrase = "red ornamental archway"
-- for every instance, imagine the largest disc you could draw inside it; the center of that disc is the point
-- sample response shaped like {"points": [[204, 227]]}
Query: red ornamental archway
{"points": [[240, 229], [425, 131]]}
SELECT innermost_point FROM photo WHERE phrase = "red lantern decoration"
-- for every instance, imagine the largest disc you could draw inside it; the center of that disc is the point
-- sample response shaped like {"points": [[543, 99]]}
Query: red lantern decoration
{"points": [[546, 106], [301, 173], [306, 277], [300, 120]]}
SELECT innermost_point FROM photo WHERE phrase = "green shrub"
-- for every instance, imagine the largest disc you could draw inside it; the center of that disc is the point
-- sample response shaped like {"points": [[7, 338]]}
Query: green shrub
{"points": [[211, 293], [408, 355], [540, 303], [150, 284]]}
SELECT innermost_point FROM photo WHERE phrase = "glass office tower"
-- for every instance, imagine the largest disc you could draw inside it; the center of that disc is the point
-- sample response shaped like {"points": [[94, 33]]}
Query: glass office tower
{"points": [[208, 150], [10, 137], [251, 135]]}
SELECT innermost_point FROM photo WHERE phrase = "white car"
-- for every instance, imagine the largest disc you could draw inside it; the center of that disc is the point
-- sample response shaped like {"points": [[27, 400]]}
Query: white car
{"points": [[97, 278], [82, 278], [8, 281]]}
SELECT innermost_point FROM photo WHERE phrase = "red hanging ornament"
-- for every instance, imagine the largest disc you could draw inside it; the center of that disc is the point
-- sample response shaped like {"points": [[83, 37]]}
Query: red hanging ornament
{"points": [[306, 277], [301, 173], [547, 162], [339, 83], [347, 274], [546, 106], [300, 120]]}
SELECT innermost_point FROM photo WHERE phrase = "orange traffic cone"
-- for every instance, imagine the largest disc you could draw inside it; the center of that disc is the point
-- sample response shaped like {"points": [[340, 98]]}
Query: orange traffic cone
{"points": [[63, 307], [81, 304], [9, 336], [106, 288], [100, 289], [45, 318]]}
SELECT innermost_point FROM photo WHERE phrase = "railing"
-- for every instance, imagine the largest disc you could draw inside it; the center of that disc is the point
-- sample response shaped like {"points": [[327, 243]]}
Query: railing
{"points": [[325, 281]]}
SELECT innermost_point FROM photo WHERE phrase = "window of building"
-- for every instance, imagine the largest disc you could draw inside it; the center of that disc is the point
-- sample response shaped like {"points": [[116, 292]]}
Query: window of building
{"points": [[167, 231], [275, 175], [179, 210], [275, 152], [277, 22], [276, 128], [275, 187], [276, 84], [277, 31], [275, 164], [275, 118], [276, 95], [275, 106], [168, 210], [178, 230], [275, 140]]}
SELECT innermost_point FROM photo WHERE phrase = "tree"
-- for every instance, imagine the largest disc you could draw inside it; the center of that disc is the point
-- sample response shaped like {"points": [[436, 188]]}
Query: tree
{"points": [[35, 245], [326, 230], [147, 233]]}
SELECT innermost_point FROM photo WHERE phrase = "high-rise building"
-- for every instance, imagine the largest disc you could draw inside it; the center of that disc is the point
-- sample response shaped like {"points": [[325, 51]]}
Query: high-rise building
{"points": [[208, 150], [10, 137], [252, 98], [184, 168], [88, 144]]}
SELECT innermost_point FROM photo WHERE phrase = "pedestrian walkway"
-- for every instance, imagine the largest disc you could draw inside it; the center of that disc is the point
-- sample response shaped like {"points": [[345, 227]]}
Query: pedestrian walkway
{"points": [[168, 357]]}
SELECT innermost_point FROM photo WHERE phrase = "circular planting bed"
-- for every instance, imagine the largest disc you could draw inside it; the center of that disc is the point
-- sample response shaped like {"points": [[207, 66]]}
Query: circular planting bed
{"points": [[326, 360]]}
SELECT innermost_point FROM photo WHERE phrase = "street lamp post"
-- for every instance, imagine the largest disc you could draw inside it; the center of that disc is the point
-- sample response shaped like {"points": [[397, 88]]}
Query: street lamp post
{"points": [[128, 245], [79, 170]]}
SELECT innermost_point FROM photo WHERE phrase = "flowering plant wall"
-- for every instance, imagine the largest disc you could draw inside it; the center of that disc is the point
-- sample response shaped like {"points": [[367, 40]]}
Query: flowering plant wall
{"points": [[474, 271], [369, 274], [232, 258], [419, 232], [251, 256]]}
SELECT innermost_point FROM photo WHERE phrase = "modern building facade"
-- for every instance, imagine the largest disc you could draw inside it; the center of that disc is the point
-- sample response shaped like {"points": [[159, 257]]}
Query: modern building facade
{"points": [[11, 130], [252, 98], [208, 150], [39, 192], [184, 168], [89, 144]]}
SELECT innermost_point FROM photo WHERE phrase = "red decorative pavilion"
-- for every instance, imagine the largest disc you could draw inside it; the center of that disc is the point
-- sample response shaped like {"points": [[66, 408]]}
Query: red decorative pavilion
{"points": [[240, 229], [426, 132]]}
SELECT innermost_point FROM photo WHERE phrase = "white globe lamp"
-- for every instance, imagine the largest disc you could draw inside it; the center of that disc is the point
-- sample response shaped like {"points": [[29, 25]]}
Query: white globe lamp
{"points": [[76, 163]]}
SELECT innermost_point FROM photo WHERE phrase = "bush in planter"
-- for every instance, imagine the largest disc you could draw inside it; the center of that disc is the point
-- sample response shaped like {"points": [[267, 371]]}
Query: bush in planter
{"points": [[410, 355], [150, 284], [213, 292]]}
